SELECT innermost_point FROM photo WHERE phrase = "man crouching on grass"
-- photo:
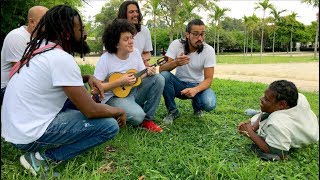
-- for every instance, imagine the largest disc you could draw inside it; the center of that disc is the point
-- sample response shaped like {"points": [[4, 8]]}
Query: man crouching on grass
{"points": [[286, 121], [32, 118]]}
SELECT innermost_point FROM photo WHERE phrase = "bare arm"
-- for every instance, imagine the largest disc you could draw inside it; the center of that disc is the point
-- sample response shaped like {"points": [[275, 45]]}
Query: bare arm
{"points": [[205, 84], [94, 84], [82, 100], [247, 129], [172, 64], [169, 65]]}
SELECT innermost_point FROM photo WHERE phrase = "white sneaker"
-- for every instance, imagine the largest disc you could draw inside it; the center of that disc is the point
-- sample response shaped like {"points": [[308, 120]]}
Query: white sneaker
{"points": [[170, 117], [251, 112]]}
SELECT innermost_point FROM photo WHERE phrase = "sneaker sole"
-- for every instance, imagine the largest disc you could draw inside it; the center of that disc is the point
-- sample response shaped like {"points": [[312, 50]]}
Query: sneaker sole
{"points": [[168, 122], [26, 165], [152, 130], [149, 130]]}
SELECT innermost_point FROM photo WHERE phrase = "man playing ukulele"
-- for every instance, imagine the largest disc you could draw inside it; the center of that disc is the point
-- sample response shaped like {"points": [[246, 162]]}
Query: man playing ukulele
{"points": [[121, 57]]}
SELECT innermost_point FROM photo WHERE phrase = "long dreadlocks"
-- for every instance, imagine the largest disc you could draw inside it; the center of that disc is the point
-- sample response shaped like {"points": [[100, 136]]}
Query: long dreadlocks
{"points": [[55, 26]]}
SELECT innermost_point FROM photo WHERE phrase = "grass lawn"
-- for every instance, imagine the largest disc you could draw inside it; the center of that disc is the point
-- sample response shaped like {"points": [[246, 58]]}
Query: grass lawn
{"points": [[192, 148], [240, 59]]}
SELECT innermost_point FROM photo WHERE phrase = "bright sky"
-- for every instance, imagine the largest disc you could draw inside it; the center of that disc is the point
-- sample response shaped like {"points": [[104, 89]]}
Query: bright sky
{"points": [[306, 13]]}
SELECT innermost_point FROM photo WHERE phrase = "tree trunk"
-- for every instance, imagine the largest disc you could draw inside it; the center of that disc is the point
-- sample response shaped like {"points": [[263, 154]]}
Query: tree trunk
{"points": [[274, 36], [247, 37], [218, 43], [261, 44], [155, 45], [244, 41], [155, 37], [251, 41], [214, 39], [291, 42], [316, 41]]}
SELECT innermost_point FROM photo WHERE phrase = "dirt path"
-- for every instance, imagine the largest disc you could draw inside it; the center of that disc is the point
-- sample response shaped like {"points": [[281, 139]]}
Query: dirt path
{"points": [[304, 75]]}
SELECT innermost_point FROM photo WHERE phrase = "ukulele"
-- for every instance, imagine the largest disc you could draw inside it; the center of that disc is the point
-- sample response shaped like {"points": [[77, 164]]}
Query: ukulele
{"points": [[124, 90]]}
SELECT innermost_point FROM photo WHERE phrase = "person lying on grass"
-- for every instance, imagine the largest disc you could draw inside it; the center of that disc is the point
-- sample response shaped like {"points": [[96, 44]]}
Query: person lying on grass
{"points": [[286, 121]]}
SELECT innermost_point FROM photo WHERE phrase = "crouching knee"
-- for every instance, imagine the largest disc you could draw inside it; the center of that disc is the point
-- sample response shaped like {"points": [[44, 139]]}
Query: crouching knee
{"points": [[109, 128], [166, 74], [136, 119], [159, 80], [210, 105]]}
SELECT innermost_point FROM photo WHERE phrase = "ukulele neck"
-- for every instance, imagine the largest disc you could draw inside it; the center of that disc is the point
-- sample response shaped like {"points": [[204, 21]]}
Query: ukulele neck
{"points": [[144, 71]]}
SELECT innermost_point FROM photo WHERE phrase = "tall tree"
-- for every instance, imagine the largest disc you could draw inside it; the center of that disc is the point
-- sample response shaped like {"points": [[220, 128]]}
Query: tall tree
{"points": [[246, 24], [219, 14], [264, 6], [151, 7], [277, 18], [292, 18], [107, 14], [170, 7], [315, 4], [253, 24], [177, 12]]}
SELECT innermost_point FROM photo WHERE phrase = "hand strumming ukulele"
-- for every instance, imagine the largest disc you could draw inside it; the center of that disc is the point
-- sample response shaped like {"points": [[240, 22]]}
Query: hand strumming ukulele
{"points": [[123, 91]]}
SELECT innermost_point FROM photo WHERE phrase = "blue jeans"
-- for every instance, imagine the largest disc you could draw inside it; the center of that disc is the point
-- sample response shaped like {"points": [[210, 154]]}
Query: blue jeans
{"points": [[204, 100], [142, 102], [70, 134]]}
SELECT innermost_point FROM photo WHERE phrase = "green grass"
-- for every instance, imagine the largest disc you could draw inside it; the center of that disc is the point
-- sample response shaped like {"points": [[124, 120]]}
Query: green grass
{"points": [[240, 59], [192, 148]]}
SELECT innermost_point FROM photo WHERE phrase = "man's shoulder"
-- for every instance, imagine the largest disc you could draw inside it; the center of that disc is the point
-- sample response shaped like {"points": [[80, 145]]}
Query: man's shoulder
{"points": [[279, 117], [144, 29], [18, 31], [207, 47], [177, 41], [56, 52]]}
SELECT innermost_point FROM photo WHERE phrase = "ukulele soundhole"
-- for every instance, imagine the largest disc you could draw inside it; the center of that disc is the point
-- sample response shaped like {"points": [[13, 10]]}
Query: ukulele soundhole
{"points": [[123, 88]]}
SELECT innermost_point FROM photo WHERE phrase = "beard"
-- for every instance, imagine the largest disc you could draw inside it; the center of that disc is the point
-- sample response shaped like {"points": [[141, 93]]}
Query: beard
{"points": [[198, 46], [81, 47]]}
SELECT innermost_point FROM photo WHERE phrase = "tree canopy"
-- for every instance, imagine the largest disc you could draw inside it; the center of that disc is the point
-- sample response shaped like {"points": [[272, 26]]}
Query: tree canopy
{"points": [[14, 12]]}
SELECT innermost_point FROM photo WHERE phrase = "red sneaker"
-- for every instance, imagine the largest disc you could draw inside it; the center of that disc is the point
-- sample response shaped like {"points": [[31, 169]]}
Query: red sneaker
{"points": [[149, 125]]}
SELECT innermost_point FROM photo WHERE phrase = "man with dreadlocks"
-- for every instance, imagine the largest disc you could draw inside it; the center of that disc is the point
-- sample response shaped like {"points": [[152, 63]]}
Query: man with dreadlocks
{"points": [[194, 62], [32, 118], [15, 44]]}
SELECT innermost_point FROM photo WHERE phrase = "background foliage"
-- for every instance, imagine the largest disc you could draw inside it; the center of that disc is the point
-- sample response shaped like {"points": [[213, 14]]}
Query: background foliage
{"points": [[14, 12]]}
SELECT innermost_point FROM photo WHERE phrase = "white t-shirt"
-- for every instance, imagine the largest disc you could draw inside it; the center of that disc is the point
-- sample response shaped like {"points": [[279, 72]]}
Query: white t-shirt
{"points": [[194, 71], [290, 128], [110, 63], [35, 95], [12, 50], [142, 40]]}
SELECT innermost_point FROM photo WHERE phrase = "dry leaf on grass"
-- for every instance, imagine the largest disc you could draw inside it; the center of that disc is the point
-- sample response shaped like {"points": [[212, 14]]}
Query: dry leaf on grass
{"points": [[110, 167], [110, 149], [141, 178]]}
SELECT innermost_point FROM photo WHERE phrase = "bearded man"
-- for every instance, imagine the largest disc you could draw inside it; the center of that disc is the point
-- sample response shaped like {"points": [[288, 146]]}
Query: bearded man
{"points": [[32, 115], [194, 61]]}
